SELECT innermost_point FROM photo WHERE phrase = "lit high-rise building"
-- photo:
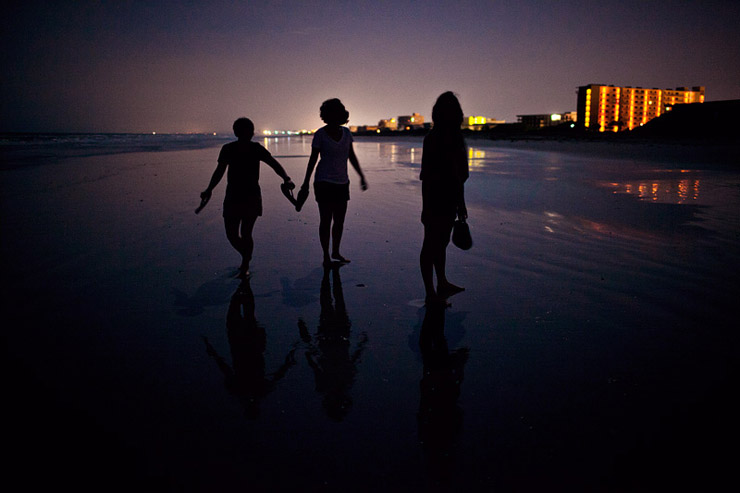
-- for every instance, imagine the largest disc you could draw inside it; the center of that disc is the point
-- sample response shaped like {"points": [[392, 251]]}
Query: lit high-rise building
{"points": [[611, 108]]}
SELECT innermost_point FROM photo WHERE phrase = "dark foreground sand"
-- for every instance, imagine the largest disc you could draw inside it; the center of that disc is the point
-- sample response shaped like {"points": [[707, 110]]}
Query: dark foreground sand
{"points": [[592, 350]]}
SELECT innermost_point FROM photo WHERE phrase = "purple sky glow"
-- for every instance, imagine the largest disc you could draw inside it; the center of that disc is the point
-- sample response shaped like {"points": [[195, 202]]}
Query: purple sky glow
{"points": [[134, 66]]}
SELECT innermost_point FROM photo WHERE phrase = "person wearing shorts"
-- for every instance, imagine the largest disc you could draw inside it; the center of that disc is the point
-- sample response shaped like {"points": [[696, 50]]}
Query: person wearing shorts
{"points": [[444, 170], [243, 198], [331, 148]]}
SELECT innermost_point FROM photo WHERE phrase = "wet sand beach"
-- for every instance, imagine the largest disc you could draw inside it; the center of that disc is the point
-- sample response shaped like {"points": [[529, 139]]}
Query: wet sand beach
{"points": [[593, 348]]}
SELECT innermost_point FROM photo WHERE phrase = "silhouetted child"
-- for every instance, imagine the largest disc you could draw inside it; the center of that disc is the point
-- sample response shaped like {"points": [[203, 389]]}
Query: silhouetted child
{"points": [[444, 169], [243, 199], [333, 144]]}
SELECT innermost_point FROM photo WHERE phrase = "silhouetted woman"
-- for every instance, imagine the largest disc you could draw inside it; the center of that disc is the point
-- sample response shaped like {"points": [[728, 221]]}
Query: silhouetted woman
{"points": [[332, 147], [243, 199], [444, 170]]}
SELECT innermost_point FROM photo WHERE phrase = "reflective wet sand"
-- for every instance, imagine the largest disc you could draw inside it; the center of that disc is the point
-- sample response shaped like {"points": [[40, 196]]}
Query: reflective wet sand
{"points": [[591, 350]]}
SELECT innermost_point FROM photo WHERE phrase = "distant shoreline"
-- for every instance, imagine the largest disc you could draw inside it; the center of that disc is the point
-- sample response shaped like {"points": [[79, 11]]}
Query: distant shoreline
{"points": [[24, 149]]}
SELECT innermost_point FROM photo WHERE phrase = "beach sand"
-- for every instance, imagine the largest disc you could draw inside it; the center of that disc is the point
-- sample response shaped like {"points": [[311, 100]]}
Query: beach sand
{"points": [[592, 349]]}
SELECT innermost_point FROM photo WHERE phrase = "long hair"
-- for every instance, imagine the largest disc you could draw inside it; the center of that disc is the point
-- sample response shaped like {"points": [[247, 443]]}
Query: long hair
{"points": [[447, 113]]}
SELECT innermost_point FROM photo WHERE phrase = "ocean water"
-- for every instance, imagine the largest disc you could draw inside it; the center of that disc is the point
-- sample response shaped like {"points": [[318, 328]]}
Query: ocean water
{"points": [[593, 349], [18, 149]]}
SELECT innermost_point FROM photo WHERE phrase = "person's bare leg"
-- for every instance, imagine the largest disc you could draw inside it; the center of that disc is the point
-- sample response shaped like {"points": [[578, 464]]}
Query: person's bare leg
{"points": [[339, 213], [247, 226], [427, 272], [231, 225], [429, 252], [325, 216], [445, 288]]}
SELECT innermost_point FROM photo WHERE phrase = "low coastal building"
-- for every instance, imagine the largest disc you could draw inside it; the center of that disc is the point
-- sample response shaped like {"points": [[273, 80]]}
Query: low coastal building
{"points": [[411, 122], [612, 108], [478, 123], [389, 124], [532, 122]]}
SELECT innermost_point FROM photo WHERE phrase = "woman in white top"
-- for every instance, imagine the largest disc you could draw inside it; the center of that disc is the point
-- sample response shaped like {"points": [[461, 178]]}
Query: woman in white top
{"points": [[331, 148]]}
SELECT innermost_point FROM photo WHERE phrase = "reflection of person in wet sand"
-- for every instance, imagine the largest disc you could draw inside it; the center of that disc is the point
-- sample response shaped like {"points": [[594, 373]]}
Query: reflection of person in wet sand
{"points": [[329, 354], [246, 376], [243, 199], [440, 416], [333, 144], [444, 170]]}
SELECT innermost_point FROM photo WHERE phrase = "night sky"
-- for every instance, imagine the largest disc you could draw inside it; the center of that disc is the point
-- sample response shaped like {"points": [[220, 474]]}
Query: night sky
{"points": [[135, 66]]}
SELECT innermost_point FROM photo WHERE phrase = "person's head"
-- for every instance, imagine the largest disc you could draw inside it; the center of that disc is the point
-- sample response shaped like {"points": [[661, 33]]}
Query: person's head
{"points": [[447, 112], [243, 128], [333, 112]]}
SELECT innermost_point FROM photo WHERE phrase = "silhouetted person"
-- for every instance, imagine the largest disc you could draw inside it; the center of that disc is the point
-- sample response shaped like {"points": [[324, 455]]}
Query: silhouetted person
{"points": [[440, 416], [329, 357], [332, 147], [444, 170], [243, 199], [246, 376]]}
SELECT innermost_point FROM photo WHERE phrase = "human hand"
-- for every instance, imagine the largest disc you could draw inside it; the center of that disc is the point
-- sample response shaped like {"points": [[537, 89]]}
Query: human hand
{"points": [[462, 212], [205, 195], [363, 184], [289, 183]]}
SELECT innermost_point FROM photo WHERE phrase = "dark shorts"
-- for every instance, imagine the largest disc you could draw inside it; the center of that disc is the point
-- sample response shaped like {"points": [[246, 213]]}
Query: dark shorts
{"points": [[331, 192], [248, 207]]}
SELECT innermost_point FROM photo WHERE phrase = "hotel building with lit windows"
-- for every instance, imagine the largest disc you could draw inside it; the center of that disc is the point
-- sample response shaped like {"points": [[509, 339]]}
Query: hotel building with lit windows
{"points": [[606, 108]]}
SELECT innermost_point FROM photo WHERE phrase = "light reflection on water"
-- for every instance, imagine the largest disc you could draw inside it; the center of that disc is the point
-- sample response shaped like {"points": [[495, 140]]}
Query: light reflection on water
{"points": [[595, 307], [667, 191]]}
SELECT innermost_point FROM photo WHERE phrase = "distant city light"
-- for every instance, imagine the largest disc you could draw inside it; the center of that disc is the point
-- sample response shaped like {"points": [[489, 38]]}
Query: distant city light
{"points": [[555, 117]]}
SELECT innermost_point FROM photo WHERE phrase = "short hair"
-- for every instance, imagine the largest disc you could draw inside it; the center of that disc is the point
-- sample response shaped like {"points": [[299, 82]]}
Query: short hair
{"points": [[447, 111], [243, 127], [333, 112]]}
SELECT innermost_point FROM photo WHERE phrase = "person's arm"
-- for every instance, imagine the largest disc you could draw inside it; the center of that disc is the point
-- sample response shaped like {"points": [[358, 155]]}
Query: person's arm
{"points": [[311, 165], [277, 167], [356, 165], [463, 174], [462, 210], [217, 175]]}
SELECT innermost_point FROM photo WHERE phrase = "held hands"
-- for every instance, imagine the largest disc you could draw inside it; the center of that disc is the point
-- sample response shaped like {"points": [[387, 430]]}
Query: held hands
{"points": [[288, 183]]}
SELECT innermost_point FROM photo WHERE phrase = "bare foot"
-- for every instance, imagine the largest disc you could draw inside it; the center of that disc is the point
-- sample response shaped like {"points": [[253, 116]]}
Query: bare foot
{"points": [[448, 289], [341, 259]]}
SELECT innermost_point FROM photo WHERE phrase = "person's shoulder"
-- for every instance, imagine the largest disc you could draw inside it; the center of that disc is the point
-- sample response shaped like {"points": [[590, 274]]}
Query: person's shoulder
{"points": [[318, 136], [431, 138], [263, 151], [226, 150]]}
